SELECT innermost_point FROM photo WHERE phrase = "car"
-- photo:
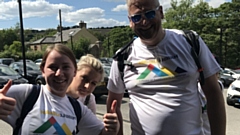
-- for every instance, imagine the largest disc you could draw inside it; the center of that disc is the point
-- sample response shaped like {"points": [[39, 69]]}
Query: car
{"points": [[105, 62], [230, 72], [101, 88], [233, 93], [225, 79], [6, 61], [38, 61], [7, 73], [32, 69], [40, 80], [27, 60]]}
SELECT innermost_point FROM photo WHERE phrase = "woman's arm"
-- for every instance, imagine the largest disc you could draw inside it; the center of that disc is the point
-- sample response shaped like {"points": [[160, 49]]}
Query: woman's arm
{"points": [[7, 104]]}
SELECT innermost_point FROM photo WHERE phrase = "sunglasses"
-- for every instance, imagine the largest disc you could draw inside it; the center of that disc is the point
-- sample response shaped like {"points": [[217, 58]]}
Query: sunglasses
{"points": [[148, 14]]}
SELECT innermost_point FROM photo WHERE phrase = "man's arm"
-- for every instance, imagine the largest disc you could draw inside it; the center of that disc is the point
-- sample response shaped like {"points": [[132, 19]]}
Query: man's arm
{"points": [[215, 106], [114, 96]]}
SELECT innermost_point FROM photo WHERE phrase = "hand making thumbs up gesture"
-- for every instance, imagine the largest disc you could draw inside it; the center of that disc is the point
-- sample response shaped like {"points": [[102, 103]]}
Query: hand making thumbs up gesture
{"points": [[7, 104], [110, 120]]}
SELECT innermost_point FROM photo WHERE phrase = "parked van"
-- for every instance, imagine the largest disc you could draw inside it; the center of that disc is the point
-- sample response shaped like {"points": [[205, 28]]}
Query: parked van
{"points": [[6, 61]]}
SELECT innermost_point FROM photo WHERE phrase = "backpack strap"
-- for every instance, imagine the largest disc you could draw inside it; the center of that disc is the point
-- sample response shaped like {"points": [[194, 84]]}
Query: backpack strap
{"points": [[87, 99], [122, 55], [27, 107], [193, 40], [77, 110]]}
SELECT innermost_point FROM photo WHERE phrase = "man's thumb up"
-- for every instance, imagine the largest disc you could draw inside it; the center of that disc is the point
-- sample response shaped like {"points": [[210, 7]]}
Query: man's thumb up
{"points": [[5, 89], [113, 106]]}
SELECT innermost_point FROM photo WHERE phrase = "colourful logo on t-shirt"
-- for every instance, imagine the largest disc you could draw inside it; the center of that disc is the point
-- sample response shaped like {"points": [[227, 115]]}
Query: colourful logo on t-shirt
{"points": [[160, 72], [60, 130]]}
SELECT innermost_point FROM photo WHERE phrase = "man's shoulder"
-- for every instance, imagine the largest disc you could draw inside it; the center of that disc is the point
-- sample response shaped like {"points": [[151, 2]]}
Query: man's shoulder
{"points": [[174, 31], [178, 31]]}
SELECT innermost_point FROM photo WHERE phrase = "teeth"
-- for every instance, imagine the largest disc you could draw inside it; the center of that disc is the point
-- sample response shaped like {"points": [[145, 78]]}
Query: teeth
{"points": [[61, 81]]}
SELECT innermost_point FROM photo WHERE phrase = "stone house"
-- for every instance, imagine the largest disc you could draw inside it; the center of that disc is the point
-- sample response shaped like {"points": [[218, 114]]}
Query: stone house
{"points": [[69, 35]]}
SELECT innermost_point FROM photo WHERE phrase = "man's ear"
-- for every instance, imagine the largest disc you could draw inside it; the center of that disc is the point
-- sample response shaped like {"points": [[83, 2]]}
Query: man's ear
{"points": [[130, 22], [130, 25], [161, 12]]}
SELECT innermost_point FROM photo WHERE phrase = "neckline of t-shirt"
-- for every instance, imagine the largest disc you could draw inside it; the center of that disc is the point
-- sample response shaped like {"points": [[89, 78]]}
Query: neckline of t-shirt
{"points": [[51, 95], [160, 43]]}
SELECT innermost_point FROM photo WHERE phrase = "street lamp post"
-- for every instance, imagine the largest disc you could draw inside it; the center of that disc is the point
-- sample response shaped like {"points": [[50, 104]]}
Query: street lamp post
{"points": [[220, 44], [71, 42], [220, 30], [22, 38], [108, 47]]}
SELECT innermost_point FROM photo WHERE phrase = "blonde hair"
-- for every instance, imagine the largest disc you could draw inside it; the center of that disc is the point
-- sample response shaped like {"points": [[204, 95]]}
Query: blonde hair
{"points": [[90, 61], [60, 48]]}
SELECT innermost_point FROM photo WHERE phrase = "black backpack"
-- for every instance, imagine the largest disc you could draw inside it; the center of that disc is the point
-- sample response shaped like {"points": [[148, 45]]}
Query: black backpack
{"points": [[31, 100], [123, 53]]}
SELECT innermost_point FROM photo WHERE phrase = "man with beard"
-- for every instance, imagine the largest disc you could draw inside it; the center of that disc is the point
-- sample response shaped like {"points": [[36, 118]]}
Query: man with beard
{"points": [[162, 79]]}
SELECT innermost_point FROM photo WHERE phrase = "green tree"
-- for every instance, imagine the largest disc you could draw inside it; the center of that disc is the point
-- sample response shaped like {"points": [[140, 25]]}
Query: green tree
{"points": [[228, 24], [80, 47], [7, 37], [116, 39]]}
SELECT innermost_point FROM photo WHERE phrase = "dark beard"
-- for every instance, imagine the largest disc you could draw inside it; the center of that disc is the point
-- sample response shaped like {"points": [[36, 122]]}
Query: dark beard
{"points": [[144, 34]]}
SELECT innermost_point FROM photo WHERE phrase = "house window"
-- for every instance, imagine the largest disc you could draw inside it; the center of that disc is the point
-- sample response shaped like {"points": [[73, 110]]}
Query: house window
{"points": [[35, 47]]}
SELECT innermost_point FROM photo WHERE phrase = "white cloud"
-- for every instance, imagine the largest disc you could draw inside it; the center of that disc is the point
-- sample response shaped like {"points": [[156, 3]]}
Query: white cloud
{"points": [[105, 22], [214, 3], [120, 8], [94, 17], [39, 8], [83, 14]]}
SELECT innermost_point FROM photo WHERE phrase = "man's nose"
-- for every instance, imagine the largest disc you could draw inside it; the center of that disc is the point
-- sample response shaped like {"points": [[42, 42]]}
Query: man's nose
{"points": [[144, 20]]}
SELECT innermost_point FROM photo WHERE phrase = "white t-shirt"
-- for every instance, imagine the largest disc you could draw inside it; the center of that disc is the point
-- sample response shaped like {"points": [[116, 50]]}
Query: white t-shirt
{"points": [[51, 114], [91, 104], [162, 86]]}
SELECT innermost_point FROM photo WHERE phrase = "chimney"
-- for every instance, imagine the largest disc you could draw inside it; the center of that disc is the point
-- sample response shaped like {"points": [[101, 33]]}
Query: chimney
{"points": [[82, 24]]}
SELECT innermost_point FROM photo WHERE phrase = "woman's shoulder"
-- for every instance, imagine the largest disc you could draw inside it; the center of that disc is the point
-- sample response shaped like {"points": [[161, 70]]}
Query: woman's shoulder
{"points": [[20, 88], [92, 96]]}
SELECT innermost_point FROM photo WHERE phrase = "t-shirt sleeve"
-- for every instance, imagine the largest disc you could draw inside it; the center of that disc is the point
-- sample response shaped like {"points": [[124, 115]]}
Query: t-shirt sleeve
{"points": [[115, 82], [92, 104], [89, 122], [19, 93], [207, 60]]}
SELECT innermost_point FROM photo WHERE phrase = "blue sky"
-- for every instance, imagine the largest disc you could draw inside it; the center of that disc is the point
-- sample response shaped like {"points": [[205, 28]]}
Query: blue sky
{"points": [[43, 14]]}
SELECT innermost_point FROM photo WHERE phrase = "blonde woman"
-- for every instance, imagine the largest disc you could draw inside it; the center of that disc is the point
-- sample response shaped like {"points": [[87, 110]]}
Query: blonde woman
{"points": [[89, 73]]}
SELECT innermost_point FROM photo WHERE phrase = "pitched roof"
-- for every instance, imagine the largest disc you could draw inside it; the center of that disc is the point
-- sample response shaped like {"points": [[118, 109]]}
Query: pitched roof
{"points": [[66, 34], [57, 37]]}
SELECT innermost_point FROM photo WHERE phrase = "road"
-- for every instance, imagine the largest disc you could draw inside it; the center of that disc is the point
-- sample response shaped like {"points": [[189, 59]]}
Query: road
{"points": [[233, 117]]}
